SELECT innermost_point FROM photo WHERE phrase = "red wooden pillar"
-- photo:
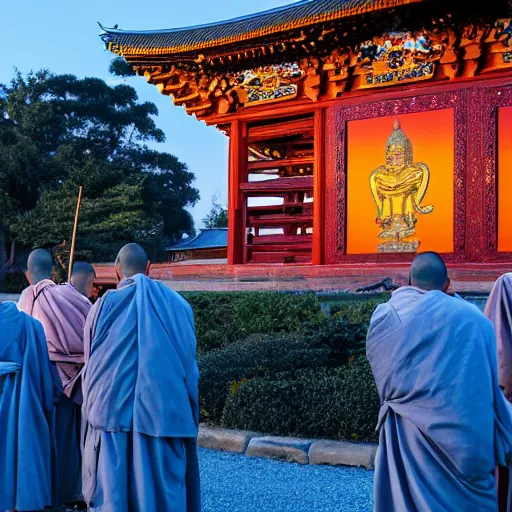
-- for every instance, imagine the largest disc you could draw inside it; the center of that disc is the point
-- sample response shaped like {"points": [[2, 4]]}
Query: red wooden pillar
{"points": [[319, 190], [237, 165]]}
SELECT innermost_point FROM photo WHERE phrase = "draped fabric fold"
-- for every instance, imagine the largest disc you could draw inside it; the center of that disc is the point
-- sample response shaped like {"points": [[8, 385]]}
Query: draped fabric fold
{"points": [[444, 424], [144, 377], [7, 367], [499, 311], [62, 310], [140, 411], [27, 394]]}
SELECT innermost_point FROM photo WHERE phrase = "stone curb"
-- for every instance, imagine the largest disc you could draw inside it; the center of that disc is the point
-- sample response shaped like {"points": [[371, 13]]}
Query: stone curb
{"points": [[290, 449]]}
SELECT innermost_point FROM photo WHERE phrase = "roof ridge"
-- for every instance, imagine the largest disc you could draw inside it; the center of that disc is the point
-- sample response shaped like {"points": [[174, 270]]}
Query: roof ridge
{"points": [[263, 24], [213, 23]]}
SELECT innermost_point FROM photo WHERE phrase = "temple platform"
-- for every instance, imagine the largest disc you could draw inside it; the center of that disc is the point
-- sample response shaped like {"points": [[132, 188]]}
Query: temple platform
{"points": [[218, 276]]}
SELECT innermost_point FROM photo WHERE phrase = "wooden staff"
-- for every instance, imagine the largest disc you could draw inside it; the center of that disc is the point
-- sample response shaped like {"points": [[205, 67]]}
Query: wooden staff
{"points": [[75, 228]]}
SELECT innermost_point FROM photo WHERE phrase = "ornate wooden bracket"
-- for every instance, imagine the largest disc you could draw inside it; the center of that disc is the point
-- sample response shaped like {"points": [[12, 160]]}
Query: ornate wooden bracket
{"points": [[395, 58]]}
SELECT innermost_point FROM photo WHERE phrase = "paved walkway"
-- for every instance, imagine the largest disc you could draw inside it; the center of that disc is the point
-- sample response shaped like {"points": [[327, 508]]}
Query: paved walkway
{"points": [[234, 483]]}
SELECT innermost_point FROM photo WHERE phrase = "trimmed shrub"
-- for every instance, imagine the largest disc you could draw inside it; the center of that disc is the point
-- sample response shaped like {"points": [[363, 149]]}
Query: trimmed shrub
{"points": [[359, 311], [328, 343], [273, 362], [339, 403], [274, 312], [342, 337], [214, 315], [223, 318], [260, 356]]}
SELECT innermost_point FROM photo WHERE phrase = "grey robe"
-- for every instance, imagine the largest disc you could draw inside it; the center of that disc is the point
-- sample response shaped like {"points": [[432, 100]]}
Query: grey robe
{"points": [[444, 423], [140, 412]]}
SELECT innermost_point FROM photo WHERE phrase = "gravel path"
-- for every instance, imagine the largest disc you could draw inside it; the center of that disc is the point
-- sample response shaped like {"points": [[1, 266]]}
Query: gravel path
{"points": [[235, 483]]}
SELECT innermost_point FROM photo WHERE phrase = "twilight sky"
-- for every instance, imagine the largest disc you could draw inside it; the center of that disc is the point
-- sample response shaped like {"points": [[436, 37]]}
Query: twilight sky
{"points": [[63, 37]]}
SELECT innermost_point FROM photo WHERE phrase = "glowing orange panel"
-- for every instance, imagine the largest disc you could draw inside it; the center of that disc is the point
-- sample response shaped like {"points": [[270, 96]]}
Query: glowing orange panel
{"points": [[430, 138], [504, 179]]}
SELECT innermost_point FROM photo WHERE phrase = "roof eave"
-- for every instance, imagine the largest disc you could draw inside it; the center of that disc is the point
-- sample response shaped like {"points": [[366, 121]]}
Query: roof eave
{"points": [[195, 49]]}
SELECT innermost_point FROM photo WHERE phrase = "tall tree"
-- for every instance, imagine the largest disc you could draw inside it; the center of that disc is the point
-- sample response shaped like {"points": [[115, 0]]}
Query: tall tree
{"points": [[65, 132]]}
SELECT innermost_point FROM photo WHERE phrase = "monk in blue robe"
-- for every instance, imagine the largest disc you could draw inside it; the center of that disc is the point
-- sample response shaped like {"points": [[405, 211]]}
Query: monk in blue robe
{"points": [[140, 387], [27, 392], [444, 423], [62, 310]]}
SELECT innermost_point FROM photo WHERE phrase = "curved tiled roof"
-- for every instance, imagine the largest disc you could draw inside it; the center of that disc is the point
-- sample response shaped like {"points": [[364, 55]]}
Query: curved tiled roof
{"points": [[295, 16], [206, 239]]}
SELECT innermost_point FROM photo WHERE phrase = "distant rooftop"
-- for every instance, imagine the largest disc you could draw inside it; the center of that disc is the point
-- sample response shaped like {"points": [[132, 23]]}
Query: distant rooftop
{"points": [[215, 238]]}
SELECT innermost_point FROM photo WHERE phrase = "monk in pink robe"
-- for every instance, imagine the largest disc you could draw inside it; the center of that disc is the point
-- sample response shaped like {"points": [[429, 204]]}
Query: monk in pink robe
{"points": [[499, 311], [62, 310]]}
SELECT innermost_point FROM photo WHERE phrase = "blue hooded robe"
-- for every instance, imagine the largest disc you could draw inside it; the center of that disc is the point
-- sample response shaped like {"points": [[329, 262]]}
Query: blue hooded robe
{"points": [[140, 409], [27, 393], [444, 423]]}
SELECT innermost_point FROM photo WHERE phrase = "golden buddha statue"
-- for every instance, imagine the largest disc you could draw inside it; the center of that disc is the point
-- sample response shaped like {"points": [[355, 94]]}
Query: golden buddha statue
{"points": [[398, 189]]}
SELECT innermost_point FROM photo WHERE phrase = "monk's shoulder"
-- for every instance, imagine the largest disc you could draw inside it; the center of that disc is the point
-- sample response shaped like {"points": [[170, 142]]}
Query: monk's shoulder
{"points": [[26, 296], [111, 296], [462, 312], [29, 290], [382, 310], [174, 297], [383, 317]]}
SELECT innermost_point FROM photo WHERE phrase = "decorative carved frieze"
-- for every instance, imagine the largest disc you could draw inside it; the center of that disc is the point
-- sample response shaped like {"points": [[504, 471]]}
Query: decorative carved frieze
{"points": [[395, 58], [498, 46]]}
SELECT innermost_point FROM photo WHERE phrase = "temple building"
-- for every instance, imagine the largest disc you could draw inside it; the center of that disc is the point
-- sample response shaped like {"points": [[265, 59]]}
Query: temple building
{"points": [[361, 131], [208, 244]]}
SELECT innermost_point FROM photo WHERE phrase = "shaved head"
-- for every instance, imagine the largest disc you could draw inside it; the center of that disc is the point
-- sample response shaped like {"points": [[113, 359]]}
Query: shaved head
{"points": [[39, 266], [132, 259], [429, 272], [82, 277]]}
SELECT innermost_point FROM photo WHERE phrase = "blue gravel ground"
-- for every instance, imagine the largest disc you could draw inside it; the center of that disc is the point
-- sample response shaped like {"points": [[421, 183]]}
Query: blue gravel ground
{"points": [[235, 483]]}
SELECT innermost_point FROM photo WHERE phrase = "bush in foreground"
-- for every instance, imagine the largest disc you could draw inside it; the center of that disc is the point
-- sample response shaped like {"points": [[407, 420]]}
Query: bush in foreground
{"points": [[339, 403], [358, 310], [223, 318], [223, 370], [331, 345]]}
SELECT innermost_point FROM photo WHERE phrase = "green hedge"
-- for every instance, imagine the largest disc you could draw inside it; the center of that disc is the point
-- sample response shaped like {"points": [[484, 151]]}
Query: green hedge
{"points": [[223, 318], [341, 336], [358, 310], [333, 342], [273, 363], [223, 370], [337, 403]]}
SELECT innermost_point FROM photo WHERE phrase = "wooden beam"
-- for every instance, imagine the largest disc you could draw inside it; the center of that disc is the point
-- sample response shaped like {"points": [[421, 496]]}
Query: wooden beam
{"points": [[280, 220], [281, 185], [262, 165], [319, 190], [284, 129]]}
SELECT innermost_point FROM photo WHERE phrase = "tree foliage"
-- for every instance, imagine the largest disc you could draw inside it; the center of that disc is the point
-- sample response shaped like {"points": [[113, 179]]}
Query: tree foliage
{"points": [[59, 132], [217, 216], [119, 67]]}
